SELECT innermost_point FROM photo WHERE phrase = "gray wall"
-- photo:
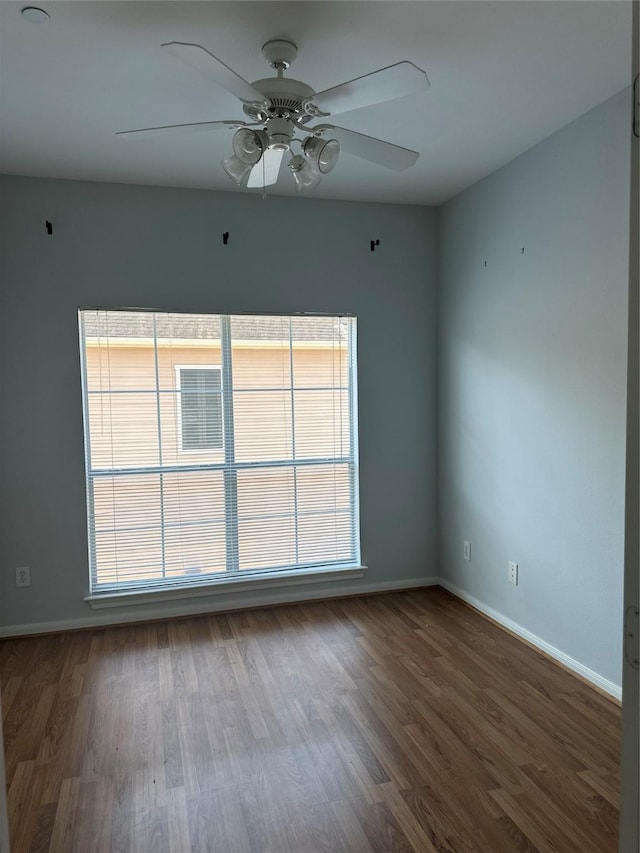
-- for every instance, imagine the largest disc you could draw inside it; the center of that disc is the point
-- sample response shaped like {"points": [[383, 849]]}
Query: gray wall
{"points": [[532, 367], [530, 452], [117, 246]]}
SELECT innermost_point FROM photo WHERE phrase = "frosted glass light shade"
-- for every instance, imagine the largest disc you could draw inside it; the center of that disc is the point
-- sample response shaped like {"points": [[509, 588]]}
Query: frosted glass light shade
{"points": [[249, 144], [306, 177], [237, 170], [322, 153]]}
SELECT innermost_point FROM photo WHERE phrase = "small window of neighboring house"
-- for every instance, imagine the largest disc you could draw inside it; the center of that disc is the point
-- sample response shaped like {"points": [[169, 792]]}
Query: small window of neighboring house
{"points": [[200, 408]]}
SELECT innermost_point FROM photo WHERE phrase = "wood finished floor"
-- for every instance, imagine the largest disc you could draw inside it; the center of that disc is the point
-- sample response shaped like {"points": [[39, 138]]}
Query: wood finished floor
{"points": [[403, 722]]}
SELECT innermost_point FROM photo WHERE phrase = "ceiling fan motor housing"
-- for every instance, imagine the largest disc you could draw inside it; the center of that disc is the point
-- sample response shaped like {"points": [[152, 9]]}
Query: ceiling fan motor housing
{"points": [[286, 95], [286, 98]]}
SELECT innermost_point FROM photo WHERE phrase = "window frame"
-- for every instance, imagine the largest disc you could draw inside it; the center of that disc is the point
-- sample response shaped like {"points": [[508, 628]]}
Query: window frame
{"points": [[157, 589], [181, 449]]}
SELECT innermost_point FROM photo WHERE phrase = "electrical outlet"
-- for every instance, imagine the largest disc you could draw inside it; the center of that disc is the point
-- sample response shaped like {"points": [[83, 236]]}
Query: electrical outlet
{"points": [[513, 573], [467, 551], [23, 576]]}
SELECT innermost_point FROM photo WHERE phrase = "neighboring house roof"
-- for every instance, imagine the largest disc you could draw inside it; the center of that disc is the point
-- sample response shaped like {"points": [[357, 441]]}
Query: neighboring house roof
{"points": [[139, 324]]}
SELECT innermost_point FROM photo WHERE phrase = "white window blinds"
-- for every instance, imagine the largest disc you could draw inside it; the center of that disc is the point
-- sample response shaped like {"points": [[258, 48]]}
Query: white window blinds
{"points": [[217, 445]]}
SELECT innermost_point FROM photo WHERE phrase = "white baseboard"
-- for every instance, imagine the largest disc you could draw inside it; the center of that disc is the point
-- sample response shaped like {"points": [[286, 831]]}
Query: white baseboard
{"points": [[239, 601], [595, 678]]}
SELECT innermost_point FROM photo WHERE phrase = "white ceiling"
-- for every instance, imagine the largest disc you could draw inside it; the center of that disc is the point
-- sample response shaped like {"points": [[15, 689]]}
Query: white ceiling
{"points": [[504, 75]]}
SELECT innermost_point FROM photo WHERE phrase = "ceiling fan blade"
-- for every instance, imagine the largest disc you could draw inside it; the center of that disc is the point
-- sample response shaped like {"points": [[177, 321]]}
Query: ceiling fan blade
{"points": [[199, 58], [177, 129], [267, 169], [369, 148], [395, 81]]}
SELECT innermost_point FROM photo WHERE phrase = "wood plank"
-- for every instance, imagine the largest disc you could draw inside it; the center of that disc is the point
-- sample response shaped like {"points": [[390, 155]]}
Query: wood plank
{"points": [[404, 722]]}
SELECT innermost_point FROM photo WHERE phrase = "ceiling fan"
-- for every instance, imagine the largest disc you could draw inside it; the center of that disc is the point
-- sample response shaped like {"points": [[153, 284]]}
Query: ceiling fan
{"points": [[279, 111]]}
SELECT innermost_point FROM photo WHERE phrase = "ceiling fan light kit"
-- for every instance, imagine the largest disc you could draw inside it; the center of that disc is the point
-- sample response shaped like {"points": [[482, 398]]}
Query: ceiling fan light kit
{"points": [[322, 153], [249, 145], [237, 170], [306, 178], [280, 108]]}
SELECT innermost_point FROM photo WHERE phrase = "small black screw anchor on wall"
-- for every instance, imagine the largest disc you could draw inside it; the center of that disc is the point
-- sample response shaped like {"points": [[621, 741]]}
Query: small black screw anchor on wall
{"points": [[49, 227], [374, 243], [225, 237]]}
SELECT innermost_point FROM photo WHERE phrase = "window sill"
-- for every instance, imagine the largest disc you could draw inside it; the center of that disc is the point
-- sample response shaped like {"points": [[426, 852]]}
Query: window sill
{"points": [[294, 577]]}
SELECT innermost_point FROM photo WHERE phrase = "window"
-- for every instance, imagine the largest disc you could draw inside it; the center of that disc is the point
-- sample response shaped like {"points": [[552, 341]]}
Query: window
{"points": [[217, 447], [200, 404]]}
